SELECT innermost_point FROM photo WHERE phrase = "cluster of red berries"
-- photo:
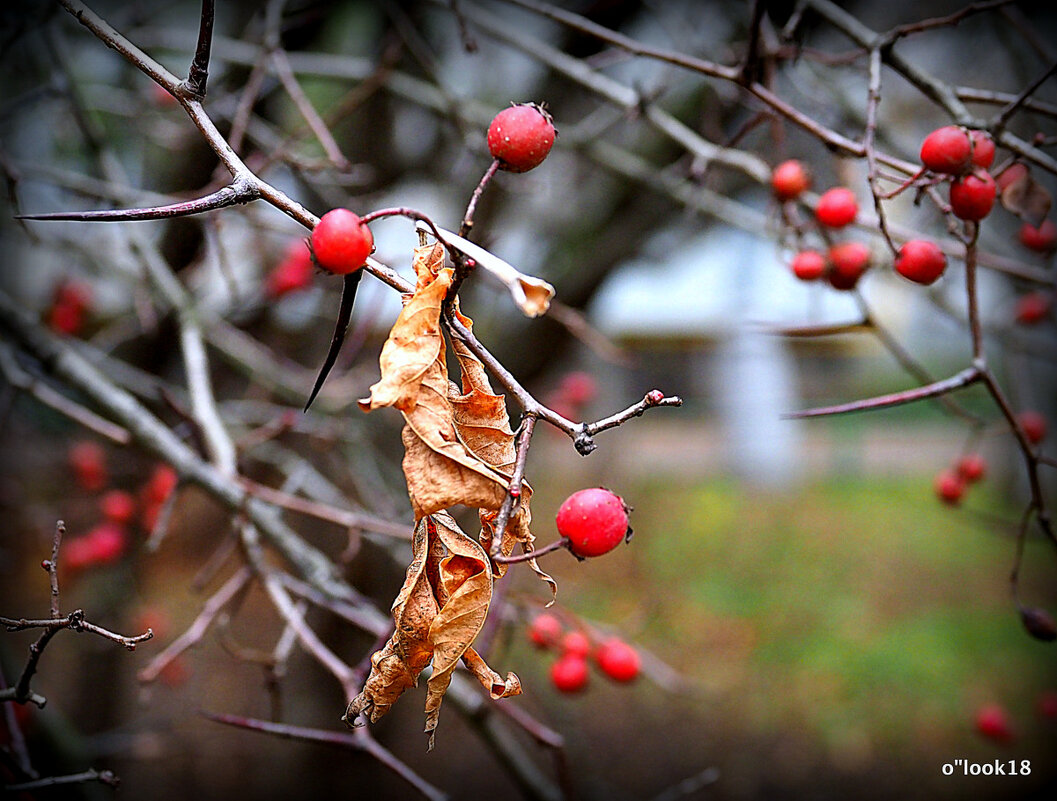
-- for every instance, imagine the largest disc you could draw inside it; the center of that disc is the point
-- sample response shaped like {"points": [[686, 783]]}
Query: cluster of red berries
{"points": [[593, 522], [569, 673], [107, 541], [995, 723], [844, 263], [950, 484]]}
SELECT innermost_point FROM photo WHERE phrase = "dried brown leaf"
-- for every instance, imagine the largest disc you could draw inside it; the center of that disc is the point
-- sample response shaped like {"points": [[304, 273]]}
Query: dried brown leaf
{"points": [[1027, 198]]}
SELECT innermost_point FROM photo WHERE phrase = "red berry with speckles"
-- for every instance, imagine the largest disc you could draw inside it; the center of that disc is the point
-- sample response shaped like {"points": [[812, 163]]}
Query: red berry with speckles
{"points": [[594, 521], [520, 137], [949, 487], [947, 150], [1042, 239], [341, 242], [847, 263], [790, 179], [1034, 425], [618, 660], [545, 630], [569, 673], [809, 265], [837, 207], [921, 261], [971, 467], [983, 149], [1033, 307], [973, 196], [993, 722]]}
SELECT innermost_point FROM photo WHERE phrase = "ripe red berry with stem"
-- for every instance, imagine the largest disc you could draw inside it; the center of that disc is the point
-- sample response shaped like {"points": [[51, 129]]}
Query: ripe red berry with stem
{"points": [[576, 642], [618, 660], [847, 263], [1033, 307], [1034, 425], [790, 179], [341, 242], [921, 261], [837, 207], [1042, 239], [947, 150], [545, 630], [973, 196], [88, 460], [949, 486], [971, 467], [520, 137], [983, 149], [569, 673], [992, 722], [809, 265], [594, 521]]}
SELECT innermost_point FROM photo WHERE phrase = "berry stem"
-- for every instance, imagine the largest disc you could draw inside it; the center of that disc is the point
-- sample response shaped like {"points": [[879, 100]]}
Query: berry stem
{"points": [[467, 218], [550, 547], [517, 478]]}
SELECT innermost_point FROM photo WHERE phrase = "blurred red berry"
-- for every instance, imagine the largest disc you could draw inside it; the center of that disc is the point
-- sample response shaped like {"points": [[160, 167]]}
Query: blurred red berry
{"points": [[1042, 239], [973, 196], [1034, 425], [947, 150], [1033, 307], [809, 265], [618, 660], [971, 467], [837, 207], [107, 543], [1048, 704], [576, 642], [790, 179], [983, 149], [569, 673], [578, 387], [69, 307], [847, 263], [993, 722], [160, 484], [88, 460], [949, 487], [545, 630], [291, 274], [921, 261], [118, 506]]}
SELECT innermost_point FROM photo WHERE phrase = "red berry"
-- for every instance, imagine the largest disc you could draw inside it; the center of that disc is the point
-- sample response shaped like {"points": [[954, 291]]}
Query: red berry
{"points": [[921, 261], [1034, 425], [569, 673], [160, 485], [847, 263], [1042, 239], [947, 150], [88, 460], [618, 660], [76, 553], [809, 265], [578, 387], [971, 467], [1033, 307], [545, 630], [577, 643], [341, 243], [993, 722], [594, 521], [118, 506], [790, 179], [1039, 623], [973, 196], [68, 307], [983, 149], [106, 543], [949, 487], [1048, 704], [837, 207], [520, 137], [291, 274], [1010, 175]]}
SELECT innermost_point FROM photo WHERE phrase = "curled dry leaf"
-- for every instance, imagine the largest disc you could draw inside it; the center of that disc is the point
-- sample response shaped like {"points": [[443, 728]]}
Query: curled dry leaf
{"points": [[459, 449], [532, 295], [1027, 198], [438, 613]]}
